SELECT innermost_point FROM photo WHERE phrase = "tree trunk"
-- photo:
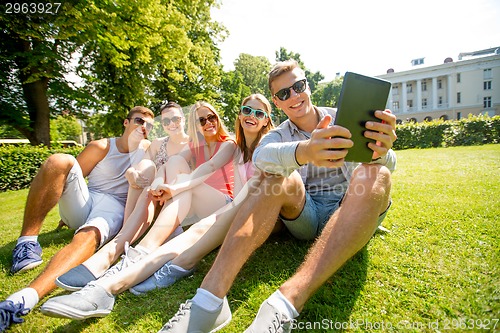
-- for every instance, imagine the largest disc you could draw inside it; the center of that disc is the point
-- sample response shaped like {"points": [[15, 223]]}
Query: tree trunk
{"points": [[35, 95]]}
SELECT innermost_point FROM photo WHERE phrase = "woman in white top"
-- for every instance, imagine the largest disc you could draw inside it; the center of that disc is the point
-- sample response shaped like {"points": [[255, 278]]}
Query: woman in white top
{"points": [[176, 258]]}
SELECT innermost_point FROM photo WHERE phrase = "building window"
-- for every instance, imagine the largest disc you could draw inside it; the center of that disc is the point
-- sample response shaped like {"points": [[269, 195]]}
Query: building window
{"points": [[409, 88], [424, 85], [440, 84], [440, 100], [487, 74], [394, 89], [409, 103], [395, 105], [459, 115], [424, 103], [458, 77], [419, 61], [487, 102], [487, 85], [459, 97]]}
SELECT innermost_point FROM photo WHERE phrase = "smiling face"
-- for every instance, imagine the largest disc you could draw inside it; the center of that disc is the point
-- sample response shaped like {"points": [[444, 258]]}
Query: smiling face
{"points": [[175, 119], [138, 125], [209, 129], [250, 124], [298, 105]]}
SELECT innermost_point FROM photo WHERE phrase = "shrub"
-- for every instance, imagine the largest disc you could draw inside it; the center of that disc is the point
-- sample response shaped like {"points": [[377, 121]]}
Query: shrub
{"points": [[474, 130], [19, 164]]}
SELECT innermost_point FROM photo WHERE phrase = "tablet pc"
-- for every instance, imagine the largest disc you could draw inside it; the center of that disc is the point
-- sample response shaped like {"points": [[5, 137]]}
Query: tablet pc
{"points": [[359, 98]]}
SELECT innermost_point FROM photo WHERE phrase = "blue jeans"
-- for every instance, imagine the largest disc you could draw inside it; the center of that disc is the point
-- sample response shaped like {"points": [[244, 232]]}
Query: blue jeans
{"points": [[316, 213]]}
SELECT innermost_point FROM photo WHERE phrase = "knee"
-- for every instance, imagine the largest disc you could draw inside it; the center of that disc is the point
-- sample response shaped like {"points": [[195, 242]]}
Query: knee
{"points": [[375, 177], [147, 168], [277, 187], [58, 163], [89, 238], [176, 164]]}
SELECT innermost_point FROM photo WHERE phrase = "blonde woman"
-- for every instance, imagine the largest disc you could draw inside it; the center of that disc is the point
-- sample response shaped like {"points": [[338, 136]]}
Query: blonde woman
{"points": [[177, 258]]}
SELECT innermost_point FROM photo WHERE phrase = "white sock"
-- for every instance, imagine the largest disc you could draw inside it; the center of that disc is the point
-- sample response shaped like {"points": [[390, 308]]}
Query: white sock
{"points": [[27, 239], [281, 303], [206, 300], [27, 295]]}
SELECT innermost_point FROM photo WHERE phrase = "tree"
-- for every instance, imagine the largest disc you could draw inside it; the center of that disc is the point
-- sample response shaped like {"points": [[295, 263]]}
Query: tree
{"points": [[233, 90], [328, 93], [35, 51], [65, 128], [312, 78], [126, 52], [142, 52], [254, 70], [193, 71]]}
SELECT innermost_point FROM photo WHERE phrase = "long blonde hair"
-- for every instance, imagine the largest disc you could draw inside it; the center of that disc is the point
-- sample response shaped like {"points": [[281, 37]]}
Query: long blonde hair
{"points": [[222, 133], [240, 137]]}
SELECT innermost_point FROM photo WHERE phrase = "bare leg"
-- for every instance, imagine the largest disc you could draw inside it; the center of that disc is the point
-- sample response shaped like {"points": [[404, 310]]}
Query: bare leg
{"points": [[82, 246], [252, 225], [137, 223], [187, 249], [347, 231], [45, 191], [134, 226], [148, 170]]}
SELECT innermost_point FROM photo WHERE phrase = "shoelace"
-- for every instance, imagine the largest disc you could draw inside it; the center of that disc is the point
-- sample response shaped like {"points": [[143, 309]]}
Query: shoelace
{"points": [[278, 323], [85, 289], [181, 312], [25, 250], [122, 264], [163, 271], [10, 313]]}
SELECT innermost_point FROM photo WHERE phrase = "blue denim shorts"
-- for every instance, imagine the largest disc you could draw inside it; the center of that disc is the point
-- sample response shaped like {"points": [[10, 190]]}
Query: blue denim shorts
{"points": [[316, 213]]}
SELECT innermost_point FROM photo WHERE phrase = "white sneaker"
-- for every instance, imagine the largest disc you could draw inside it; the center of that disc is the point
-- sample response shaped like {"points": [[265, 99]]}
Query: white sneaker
{"points": [[131, 256], [192, 318], [269, 319]]}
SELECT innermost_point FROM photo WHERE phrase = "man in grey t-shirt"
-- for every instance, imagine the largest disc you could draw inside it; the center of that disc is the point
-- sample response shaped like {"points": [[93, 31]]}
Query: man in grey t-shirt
{"points": [[308, 186]]}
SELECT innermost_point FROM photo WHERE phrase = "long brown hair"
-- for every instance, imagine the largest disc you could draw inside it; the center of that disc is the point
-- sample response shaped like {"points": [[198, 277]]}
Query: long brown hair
{"points": [[240, 137]]}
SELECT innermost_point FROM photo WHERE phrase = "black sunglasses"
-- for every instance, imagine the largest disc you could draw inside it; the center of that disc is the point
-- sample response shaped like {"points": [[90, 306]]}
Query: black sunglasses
{"points": [[175, 119], [298, 87], [141, 121], [248, 111], [211, 118]]}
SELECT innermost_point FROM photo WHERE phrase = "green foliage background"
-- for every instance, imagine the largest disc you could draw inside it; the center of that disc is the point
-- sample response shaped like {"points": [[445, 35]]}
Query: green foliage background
{"points": [[20, 164], [474, 130]]}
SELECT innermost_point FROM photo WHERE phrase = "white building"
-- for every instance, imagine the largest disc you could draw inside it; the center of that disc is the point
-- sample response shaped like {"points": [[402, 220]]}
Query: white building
{"points": [[451, 90]]}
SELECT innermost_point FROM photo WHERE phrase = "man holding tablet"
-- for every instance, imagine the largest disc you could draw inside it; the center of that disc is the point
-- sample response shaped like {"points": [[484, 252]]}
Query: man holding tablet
{"points": [[313, 191]]}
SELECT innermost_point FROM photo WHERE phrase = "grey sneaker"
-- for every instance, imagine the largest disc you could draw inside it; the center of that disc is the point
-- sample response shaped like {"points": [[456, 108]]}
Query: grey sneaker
{"points": [[269, 319], [92, 301], [75, 279], [131, 256], [26, 255], [193, 319], [162, 278]]}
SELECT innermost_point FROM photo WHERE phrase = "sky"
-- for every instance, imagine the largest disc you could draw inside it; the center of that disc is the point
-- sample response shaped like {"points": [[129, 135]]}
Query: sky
{"points": [[363, 36]]}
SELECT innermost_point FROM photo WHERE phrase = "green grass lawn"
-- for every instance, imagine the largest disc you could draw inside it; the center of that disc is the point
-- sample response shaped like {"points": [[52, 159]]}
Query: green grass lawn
{"points": [[437, 268]]}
